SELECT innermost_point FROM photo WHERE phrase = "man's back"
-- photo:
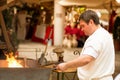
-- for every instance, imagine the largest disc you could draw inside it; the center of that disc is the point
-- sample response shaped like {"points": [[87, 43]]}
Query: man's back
{"points": [[102, 43]]}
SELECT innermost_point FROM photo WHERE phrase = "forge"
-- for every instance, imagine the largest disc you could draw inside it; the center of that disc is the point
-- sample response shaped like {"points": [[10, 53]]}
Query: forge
{"points": [[30, 71]]}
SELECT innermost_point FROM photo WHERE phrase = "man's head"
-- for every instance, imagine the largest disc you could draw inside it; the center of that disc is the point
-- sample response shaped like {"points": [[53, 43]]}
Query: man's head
{"points": [[89, 21]]}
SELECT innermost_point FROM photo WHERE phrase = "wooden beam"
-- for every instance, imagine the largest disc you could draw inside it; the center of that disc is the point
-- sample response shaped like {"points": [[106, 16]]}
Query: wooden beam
{"points": [[7, 5]]}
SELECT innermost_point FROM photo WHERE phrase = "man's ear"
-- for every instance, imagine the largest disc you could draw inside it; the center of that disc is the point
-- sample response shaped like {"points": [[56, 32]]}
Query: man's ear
{"points": [[91, 21]]}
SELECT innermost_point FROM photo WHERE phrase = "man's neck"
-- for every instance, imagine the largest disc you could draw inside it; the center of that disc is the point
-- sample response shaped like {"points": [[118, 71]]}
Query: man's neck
{"points": [[95, 27]]}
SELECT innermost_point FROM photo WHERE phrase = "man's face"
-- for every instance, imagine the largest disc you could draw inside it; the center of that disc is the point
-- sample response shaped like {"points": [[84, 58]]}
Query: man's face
{"points": [[85, 27]]}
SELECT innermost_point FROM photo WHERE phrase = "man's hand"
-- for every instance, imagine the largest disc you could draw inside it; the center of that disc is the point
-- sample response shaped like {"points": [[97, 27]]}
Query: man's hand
{"points": [[62, 66]]}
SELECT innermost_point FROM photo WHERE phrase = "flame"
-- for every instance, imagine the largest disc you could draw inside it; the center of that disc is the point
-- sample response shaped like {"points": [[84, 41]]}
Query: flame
{"points": [[12, 62]]}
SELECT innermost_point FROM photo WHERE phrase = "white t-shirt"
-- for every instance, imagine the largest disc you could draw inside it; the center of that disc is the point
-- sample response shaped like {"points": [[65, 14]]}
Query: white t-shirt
{"points": [[100, 46]]}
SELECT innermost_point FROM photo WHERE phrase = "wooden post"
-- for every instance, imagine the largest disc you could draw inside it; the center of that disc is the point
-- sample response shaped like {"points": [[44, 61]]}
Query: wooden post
{"points": [[3, 26], [5, 34]]}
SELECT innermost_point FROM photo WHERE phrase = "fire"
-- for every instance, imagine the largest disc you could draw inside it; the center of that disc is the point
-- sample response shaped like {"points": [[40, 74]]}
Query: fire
{"points": [[12, 62]]}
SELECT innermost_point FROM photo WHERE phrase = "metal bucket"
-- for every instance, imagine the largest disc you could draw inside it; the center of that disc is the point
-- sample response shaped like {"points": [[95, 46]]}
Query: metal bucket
{"points": [[32, 72], [25, 73]]}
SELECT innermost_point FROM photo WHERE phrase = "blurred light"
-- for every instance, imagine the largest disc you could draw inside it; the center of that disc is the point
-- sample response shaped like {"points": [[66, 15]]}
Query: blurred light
{"points": [[42, 8], [15, 10], [118, 1]]}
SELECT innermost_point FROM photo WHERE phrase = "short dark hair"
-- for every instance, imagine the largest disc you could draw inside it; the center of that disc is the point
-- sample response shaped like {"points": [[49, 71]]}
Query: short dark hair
{"points": [[89, 14]]}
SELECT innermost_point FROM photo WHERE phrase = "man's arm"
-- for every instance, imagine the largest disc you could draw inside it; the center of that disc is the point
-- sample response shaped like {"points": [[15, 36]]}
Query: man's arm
{"points": [[80, 61]]}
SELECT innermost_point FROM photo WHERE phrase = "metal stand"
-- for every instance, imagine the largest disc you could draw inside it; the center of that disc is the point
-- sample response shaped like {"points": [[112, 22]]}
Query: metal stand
{"points": [[59, 52], [63, 75]]}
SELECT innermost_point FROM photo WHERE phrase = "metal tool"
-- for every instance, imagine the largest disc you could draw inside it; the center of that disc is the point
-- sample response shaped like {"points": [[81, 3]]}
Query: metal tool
{"points": [[42, 60]]}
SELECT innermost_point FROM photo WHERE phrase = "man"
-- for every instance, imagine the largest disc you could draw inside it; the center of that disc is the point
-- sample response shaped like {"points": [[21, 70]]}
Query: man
{"points": [[96, 61]]}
